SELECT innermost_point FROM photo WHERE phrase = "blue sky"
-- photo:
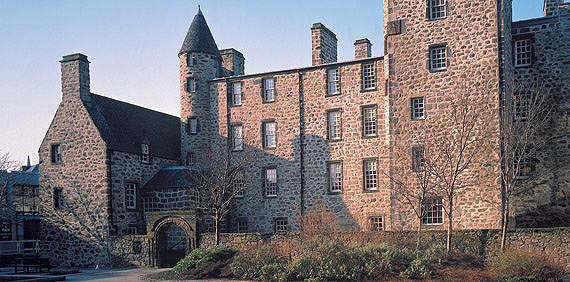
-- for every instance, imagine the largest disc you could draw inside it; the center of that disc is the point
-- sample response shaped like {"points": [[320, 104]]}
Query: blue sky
{"points": [[133, 48]]}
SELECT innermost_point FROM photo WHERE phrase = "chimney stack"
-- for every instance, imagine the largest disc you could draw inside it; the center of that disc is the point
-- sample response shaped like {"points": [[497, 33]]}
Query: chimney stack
{"points": [[551, 7], [362, 49], [75, 77], [324, 45], [233, 62]]}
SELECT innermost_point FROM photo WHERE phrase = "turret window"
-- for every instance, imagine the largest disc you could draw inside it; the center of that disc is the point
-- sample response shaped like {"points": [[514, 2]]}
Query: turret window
{"points": [[190, 85], [190, 60], [193, 125]]}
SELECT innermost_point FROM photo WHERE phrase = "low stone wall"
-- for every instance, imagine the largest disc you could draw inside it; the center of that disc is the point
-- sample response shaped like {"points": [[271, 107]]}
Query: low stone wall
{"points": [[129, 250], [486, 243]]}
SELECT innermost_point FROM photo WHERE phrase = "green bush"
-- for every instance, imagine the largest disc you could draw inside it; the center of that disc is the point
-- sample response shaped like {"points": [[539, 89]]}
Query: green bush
{"points": [[526, 266], [200, 256], [419, 268], [261, 264], [435, 254]]}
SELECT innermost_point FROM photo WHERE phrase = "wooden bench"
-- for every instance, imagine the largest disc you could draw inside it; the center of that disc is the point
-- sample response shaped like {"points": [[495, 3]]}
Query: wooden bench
{"points": [[27, 262]]}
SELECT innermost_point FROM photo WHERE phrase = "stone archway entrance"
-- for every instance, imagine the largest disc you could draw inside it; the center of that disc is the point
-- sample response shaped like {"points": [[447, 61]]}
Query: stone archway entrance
{"points": [[172, 234]]}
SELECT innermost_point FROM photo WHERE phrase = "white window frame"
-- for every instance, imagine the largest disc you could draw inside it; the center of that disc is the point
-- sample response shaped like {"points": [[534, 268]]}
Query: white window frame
{"points": [[437, 9], [418, 108], [333, 78], [269, 90], [269, 134], [369, 121], [281, 225], [145, 153], [376, 223], [270, 182], [237, 137], [370, 168], [523, 52], [236, 93], [193, 125], [369, 76], [434, 213], [438, 58], [335, 176], [191, 84], [131, 195], [334, 121]]}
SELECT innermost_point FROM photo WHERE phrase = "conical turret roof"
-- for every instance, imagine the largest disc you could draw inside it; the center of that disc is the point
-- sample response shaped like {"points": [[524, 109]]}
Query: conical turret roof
{"points": [[199, 37]]}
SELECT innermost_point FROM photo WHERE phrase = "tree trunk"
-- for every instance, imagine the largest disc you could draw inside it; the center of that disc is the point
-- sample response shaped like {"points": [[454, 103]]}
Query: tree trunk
{"points": [[217, 222], [419, 234], [505, 222], [449, 231]]}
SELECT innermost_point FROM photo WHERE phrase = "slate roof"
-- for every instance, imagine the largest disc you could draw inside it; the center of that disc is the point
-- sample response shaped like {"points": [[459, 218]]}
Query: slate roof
{"points": [[199, 38], [124, 126], [170, 177], [20, 178]]}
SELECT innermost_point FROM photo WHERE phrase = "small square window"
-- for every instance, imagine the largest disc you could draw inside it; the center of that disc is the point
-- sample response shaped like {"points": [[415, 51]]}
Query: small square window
{"points": [[269, 90], [281, 225], [57, 199], [56, 153], [368, 76], [190, 85], [418, 158], [236, 93], [437, 9], [335, 177], [370, 175], [376, 223], [193, 125], [334, 125], [145, 154], [438, 58], [131, 196], [333, 81], [418, 108], [242, 226], [369, 121], [523, 53], [270, 182], [433, 211], [521, 100], [269, 134]]}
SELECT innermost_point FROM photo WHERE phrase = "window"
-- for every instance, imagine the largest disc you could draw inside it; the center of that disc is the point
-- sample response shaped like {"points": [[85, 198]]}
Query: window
{"points": [[369, 121], [281, 225], [376, 223], [370, 175], [269, 134], [236, 93], [334, 81], [437, 9], [418, 158], [523, 53], [193, 125], [190, 60], [239, 185], [335, 177], [334, 125], [368, 76], [145, 155], [190, 85], [269, 90], [418, 108], [132, 230], [438, 58], [237, 137], [524, 165], [270, 182], [56, 154], [242, 226], [521, 105], [190, 159], [433, 211], [57, 199], [209, 225], [131, 196]]}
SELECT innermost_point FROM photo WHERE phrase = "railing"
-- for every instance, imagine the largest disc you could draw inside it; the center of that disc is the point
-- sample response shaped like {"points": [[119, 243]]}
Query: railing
{"points": [[19, 247]]}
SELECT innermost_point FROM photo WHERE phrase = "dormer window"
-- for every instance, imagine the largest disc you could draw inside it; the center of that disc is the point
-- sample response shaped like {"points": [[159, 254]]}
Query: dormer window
{"points": [[145, 155]]}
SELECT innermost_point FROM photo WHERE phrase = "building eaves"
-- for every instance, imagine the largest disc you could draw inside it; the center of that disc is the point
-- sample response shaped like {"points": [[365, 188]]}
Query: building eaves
{"points": [[536, 21]]}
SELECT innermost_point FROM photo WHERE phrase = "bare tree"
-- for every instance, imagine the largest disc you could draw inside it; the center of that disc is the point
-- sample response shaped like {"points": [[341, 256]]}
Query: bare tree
{"points": [[525, 115], [7, 164], [220, 176], [462, 139]]}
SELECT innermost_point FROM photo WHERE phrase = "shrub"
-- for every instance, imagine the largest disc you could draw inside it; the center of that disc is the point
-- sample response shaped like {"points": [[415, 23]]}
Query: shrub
{"points": [[261, 264], [201, 256], [526, 266], [435, 254], [419, 268]]}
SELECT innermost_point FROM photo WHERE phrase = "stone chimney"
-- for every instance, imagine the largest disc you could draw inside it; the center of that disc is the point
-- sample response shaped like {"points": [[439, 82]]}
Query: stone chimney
{"points": [[362, 49], [75, 77], [550, 7], [324, 45], [233, 62]]}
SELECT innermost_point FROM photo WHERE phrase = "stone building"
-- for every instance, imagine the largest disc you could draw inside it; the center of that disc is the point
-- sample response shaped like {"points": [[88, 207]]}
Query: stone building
{"points": [[113, 174]]}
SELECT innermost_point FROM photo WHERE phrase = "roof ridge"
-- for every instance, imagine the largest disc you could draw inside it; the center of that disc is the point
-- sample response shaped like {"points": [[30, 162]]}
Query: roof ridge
{"points": [[134, 105]]}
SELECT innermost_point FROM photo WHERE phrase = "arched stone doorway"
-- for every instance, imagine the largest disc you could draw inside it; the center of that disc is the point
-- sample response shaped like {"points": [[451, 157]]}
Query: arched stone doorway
{"points": [[172, 237]]}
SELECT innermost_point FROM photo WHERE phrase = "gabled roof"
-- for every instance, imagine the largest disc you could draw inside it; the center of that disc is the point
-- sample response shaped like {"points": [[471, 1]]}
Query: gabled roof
{"points": [[125, 126], [199, 38]]}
